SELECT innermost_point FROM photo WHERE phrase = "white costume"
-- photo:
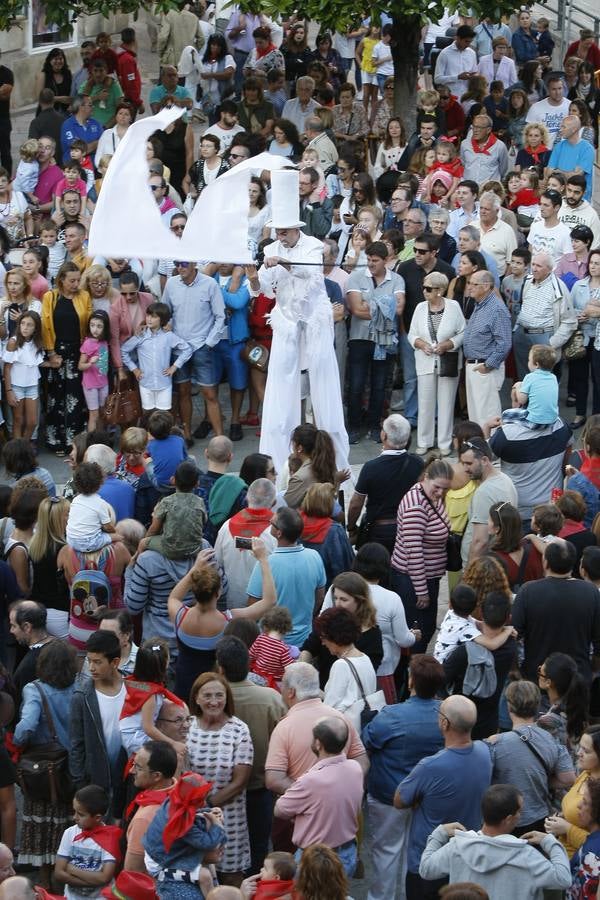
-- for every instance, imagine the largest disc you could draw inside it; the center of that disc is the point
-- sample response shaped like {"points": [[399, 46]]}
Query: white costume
{"points": [[302, 323]]}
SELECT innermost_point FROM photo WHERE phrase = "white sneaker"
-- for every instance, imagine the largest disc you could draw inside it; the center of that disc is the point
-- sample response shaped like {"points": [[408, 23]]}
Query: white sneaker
{"points": [[447, 452], [421, 451]]}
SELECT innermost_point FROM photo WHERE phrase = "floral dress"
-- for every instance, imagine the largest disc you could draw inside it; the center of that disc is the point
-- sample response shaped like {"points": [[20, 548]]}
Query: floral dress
{"points": [[214, 754], [66, 410]]}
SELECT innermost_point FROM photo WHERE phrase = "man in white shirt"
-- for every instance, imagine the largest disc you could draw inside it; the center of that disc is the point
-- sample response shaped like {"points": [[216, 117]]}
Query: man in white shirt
{"points": [[577, 211], [458, 62], [548, 233], [551, 111], [227, 127], [497, 238], [546, 315], [468, 208]]}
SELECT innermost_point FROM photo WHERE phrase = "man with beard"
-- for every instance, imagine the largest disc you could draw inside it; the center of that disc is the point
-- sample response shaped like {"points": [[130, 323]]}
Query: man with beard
{"points": [[577, 211]]}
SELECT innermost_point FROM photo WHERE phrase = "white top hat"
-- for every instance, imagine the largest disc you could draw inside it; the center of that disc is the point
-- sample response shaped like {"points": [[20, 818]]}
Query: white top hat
{"points": [[285, 199]]}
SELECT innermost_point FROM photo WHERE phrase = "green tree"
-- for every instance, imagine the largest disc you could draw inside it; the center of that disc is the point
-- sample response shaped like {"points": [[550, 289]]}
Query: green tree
{"points": [[64, 14]]}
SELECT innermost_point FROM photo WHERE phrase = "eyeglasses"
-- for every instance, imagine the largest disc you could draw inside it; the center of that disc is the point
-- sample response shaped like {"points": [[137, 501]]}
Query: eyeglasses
{"points": [[156, 187], [177, 227], [99, 283], [236, 156], [470, 446], [443, 716], [414, 221], [428, 288], [180, 720]]}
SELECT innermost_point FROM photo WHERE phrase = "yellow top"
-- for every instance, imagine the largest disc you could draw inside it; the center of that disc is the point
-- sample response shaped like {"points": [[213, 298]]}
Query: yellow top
{"points": [[457, 502], [367, 64], [575, 836], [83, 307]]}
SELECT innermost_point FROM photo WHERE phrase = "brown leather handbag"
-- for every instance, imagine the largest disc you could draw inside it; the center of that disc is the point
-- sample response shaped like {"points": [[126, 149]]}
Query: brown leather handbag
{"points": [[123, 406], [255, 355]]}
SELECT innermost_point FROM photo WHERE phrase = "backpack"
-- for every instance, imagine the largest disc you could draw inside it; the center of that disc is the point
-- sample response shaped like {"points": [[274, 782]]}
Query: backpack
{"points": [[90, 590]]}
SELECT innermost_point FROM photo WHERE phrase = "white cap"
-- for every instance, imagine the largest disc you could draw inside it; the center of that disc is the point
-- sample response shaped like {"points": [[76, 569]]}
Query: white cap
{"points": [[285, 199]]}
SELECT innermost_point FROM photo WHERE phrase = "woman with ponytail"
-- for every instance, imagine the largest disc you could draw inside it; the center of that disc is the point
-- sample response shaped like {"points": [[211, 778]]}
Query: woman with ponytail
{"points": [[569, 697], [315, 449]]}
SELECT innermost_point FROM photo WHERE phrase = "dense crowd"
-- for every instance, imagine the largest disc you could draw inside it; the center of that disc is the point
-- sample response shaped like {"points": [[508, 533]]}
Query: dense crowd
{"points": [[218, 684]]}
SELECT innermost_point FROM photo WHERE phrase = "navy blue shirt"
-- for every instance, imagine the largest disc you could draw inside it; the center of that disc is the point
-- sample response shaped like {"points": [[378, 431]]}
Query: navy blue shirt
{"points": [[396, 740]]}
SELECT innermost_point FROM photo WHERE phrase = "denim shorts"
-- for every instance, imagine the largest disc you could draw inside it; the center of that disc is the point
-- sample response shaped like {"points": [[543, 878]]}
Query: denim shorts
{"points": [[25, 393], [227, 359], [200, 369]]}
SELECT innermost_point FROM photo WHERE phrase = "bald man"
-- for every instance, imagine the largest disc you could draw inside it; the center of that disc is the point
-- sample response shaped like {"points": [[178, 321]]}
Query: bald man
{"points": [[444, 787], [325, 802], [17, 888], [7, 863], [572, 155]]}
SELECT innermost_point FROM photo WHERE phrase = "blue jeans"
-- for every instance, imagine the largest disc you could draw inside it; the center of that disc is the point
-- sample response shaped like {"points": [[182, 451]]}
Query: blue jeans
{"points": [[239, 57], [347, 853], [363, 370], [409, 373]]}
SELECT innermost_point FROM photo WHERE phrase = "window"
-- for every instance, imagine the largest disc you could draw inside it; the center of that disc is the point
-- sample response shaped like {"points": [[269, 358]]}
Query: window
{"points": [[44, 35]]}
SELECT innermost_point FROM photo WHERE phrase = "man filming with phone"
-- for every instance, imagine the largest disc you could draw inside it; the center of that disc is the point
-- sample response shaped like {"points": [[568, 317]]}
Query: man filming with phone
{"points": [[233, 546]]}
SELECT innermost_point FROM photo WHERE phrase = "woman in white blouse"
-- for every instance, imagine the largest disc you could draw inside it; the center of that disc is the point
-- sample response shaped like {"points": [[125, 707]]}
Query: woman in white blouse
{"points": [[391, 148], [436, 331], [498, 66], [112, 137], [339, 630]]}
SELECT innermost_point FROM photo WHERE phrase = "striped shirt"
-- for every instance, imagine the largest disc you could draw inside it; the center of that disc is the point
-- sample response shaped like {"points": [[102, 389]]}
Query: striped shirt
{"points": [[488, 333], [271, 655], [421, 536]]}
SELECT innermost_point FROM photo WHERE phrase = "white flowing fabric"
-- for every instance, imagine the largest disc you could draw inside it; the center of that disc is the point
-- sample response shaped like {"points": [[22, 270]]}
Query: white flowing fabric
{"points": [[127, 222]]}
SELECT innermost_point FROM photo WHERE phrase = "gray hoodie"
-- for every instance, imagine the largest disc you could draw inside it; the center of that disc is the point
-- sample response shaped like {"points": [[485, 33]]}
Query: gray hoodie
{"points": [[505, 866]]}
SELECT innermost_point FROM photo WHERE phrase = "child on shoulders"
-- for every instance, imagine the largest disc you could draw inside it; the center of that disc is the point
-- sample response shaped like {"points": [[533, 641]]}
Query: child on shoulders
{"points": [[90, 523], [178, 521], [269, 654], [459, 626], [535, 399]]}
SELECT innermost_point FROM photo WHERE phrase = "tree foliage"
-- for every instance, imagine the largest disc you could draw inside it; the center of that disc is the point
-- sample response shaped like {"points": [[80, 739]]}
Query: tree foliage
{"points": [[64, 12]]}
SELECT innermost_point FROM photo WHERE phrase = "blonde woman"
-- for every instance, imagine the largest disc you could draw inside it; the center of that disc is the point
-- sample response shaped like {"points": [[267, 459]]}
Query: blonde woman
{"points": [[436, 330], [17, 300], [49, 586], [97, 282], [536, 150]]}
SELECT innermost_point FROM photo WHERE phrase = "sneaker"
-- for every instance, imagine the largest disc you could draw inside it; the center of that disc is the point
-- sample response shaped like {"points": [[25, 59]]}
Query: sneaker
{"points": [[353, 437], [571, 400], [421, 451], [375, 435], [203, 429], [235, 432]]}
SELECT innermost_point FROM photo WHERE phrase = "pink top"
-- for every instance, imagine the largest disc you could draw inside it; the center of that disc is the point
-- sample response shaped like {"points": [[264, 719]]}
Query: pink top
{"points": [[63, 185], [39, 285], [421, 536], [124, 319], [324, 802], [47, 181], [97, 375]]}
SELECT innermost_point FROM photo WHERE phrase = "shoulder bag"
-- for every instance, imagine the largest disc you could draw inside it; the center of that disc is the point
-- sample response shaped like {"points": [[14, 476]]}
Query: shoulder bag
{"points": [[447, 362], [575, 347], [123, 406], [255, 355], [535, 752], [364, 710], [43, 769], [453, 544]]}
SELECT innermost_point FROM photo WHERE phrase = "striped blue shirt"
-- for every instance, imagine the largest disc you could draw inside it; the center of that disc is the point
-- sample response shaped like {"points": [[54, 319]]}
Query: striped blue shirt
{"points": [[488, 332]]}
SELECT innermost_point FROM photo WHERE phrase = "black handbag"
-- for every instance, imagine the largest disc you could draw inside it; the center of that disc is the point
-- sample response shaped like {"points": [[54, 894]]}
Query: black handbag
{"points": [[453, 544], [447, 362], [43, 770]]}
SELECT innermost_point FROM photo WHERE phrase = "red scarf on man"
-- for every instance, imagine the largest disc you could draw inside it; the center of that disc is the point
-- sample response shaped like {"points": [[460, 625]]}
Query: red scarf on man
{"points": [[316, 528], [106, 836], [535, 154], [268, 49], [250, 522], [138, 692], [149, 797], [486, 147]]}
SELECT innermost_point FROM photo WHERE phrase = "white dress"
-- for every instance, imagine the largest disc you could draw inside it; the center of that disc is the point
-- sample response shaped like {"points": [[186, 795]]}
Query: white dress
{"points": [[214, 754]]}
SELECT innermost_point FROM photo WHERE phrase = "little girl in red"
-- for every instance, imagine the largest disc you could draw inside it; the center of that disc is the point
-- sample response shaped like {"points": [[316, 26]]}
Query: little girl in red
{"points": [[269, 654]]}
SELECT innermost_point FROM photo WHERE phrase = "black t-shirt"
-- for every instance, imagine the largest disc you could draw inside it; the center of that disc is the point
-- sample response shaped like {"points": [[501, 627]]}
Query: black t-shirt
{"points": [[413, 278], [6, 77], [455, 667], [385, 480], [557, 614]]}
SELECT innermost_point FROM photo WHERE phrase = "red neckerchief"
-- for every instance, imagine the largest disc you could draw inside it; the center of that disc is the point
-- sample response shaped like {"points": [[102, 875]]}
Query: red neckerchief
{"points": [[454, 167], [524, 197], [486, 147], [315, 528], [268, 49], [138, 692], [106, 836], [274, 889], [535, 154], [186, 798], [148, 798], [571, 527], [250, 522]]}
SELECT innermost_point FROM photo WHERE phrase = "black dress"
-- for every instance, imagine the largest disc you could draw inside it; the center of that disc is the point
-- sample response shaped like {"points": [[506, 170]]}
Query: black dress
{"points": [[173, 152], [66, 411]]}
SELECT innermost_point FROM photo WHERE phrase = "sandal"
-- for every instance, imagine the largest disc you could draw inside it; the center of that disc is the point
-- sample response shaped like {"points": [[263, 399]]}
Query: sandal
{"points": [[250, 419]]}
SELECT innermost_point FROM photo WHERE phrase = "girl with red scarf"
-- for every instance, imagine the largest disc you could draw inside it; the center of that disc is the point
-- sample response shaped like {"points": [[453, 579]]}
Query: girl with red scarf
{"points": [[146, 693]]}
